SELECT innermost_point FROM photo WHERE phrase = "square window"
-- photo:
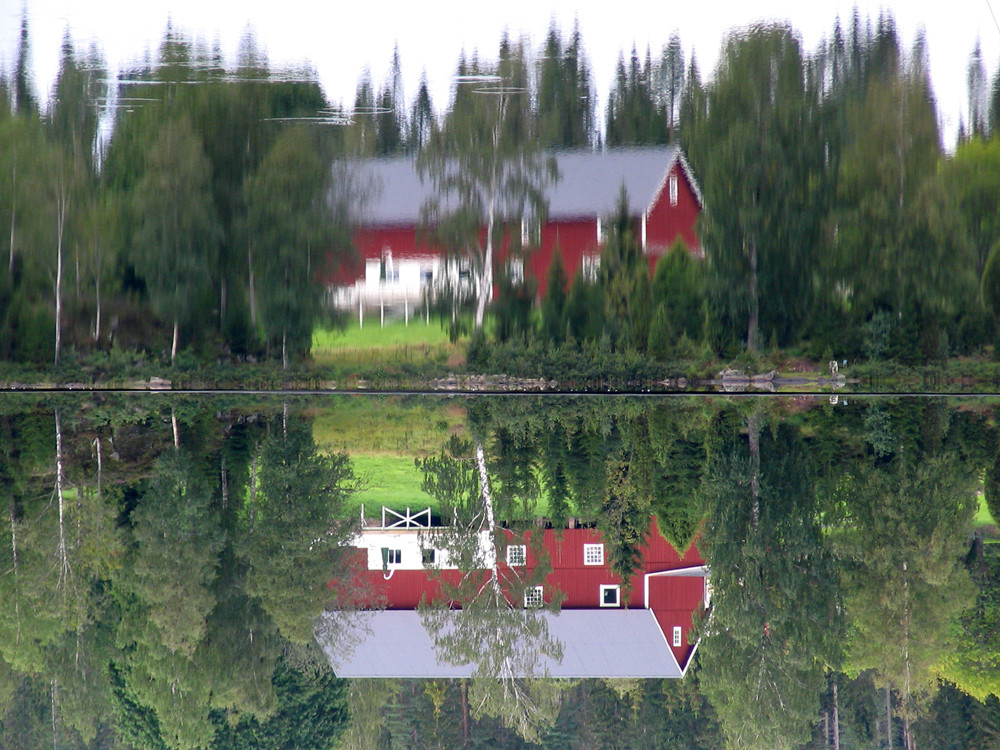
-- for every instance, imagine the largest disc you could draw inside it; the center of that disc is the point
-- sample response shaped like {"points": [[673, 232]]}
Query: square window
{"points": [[610, 596], [533, 597], [517, 554], [593, 554], [427, 556], [515, 267], [677, 636]]}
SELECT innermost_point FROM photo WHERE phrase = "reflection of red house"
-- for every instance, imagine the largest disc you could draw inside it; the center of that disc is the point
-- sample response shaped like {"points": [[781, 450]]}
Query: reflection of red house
{"points": [[395, 263], [606, 631]]}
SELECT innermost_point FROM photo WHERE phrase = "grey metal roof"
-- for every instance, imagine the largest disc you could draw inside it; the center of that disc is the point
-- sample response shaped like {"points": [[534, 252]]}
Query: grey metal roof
{"points": [[595, 643], [589, 184]]}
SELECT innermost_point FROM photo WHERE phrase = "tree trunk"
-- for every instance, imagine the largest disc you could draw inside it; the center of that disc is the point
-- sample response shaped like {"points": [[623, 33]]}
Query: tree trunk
{"points": [[63, 553], [753, 344], [61, 207], [284, 348], [222, 303], [100, 467], [13, 216], [174, 428], [753, 428], [465, 713], [836, 719], [97, 315], [486, 278], [888, 716], [173, 344], [253, 295], [224, 478]]}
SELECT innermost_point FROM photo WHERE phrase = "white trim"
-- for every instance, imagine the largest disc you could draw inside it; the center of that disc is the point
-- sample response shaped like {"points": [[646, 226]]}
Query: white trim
{"points": [[697, 571], [644, 230], [678, 158], [517, 555], [534, 597], [595, 552], [606, 587]]}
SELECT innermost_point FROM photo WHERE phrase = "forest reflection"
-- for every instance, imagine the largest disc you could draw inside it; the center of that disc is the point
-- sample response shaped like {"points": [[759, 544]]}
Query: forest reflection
{"points": [[169, 563]]}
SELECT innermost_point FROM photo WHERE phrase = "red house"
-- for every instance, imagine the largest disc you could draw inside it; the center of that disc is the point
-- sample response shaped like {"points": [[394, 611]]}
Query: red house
{"points": [[602, 629], [396, 265]]}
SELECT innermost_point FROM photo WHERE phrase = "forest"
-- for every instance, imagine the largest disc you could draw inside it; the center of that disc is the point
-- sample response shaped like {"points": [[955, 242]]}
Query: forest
{"points": [[164, 563], [190, 209]]}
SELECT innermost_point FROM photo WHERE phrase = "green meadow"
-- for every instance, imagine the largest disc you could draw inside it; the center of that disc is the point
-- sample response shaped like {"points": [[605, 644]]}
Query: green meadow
{"points": [[383, 436], [395, 343]]}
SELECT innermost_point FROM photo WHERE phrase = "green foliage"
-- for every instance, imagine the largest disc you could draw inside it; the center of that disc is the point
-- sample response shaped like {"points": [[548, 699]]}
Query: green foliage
{"points": [[755, 156], [176, 227], [293, 225], [312, 713], [903, 583], [991, 487], [291, 524], [452, 479], [678, 298], [565, 101], [554, 305]]}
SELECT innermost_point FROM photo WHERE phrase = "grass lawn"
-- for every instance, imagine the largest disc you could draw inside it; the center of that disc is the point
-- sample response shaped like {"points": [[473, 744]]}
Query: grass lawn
{"points": [[393, 343], [410, 426], [392, 481], [983, 517]]}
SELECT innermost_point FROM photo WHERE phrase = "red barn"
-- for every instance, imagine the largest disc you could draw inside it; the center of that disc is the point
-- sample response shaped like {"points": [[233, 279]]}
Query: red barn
{"points": [[396, 264], [604, 629]]}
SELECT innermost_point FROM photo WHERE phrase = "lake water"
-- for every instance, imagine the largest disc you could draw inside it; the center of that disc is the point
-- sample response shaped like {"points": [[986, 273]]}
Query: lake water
{"points": [[192, 572]]}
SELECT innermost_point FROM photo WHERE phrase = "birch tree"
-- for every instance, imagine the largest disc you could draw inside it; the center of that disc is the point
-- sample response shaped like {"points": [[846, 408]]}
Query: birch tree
{"points": [[486, 174], [479, 618]]}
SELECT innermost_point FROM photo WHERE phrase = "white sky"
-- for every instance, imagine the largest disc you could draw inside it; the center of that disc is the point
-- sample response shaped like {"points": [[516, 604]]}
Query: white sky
{"points": [[339, 39]]}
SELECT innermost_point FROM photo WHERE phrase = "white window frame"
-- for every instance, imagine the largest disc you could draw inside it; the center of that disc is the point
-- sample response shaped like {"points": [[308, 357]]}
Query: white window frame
{"points": [[517, 555], [677, 635], [593, 554], [672, 187], [533, 597], [590, 266], [515, 270], [605, 587]]}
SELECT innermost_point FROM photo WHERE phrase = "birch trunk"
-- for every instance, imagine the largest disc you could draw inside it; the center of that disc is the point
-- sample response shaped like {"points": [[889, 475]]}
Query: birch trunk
{"points": [[62, 206], [173, 344], [62, 552], [754, 427]]}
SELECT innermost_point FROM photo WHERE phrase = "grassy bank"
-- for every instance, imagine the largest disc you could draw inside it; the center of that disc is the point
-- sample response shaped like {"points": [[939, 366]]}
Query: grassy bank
{"points": [[404, 357]]}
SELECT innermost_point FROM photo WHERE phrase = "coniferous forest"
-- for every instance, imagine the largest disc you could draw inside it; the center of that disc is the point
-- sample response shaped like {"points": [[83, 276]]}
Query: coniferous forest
{"points": [[196, 208]]}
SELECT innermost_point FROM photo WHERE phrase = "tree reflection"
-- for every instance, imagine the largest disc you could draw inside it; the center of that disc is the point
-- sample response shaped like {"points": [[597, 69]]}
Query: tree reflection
{"points": [[903, 580], [775, 623], [483, 616]]}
